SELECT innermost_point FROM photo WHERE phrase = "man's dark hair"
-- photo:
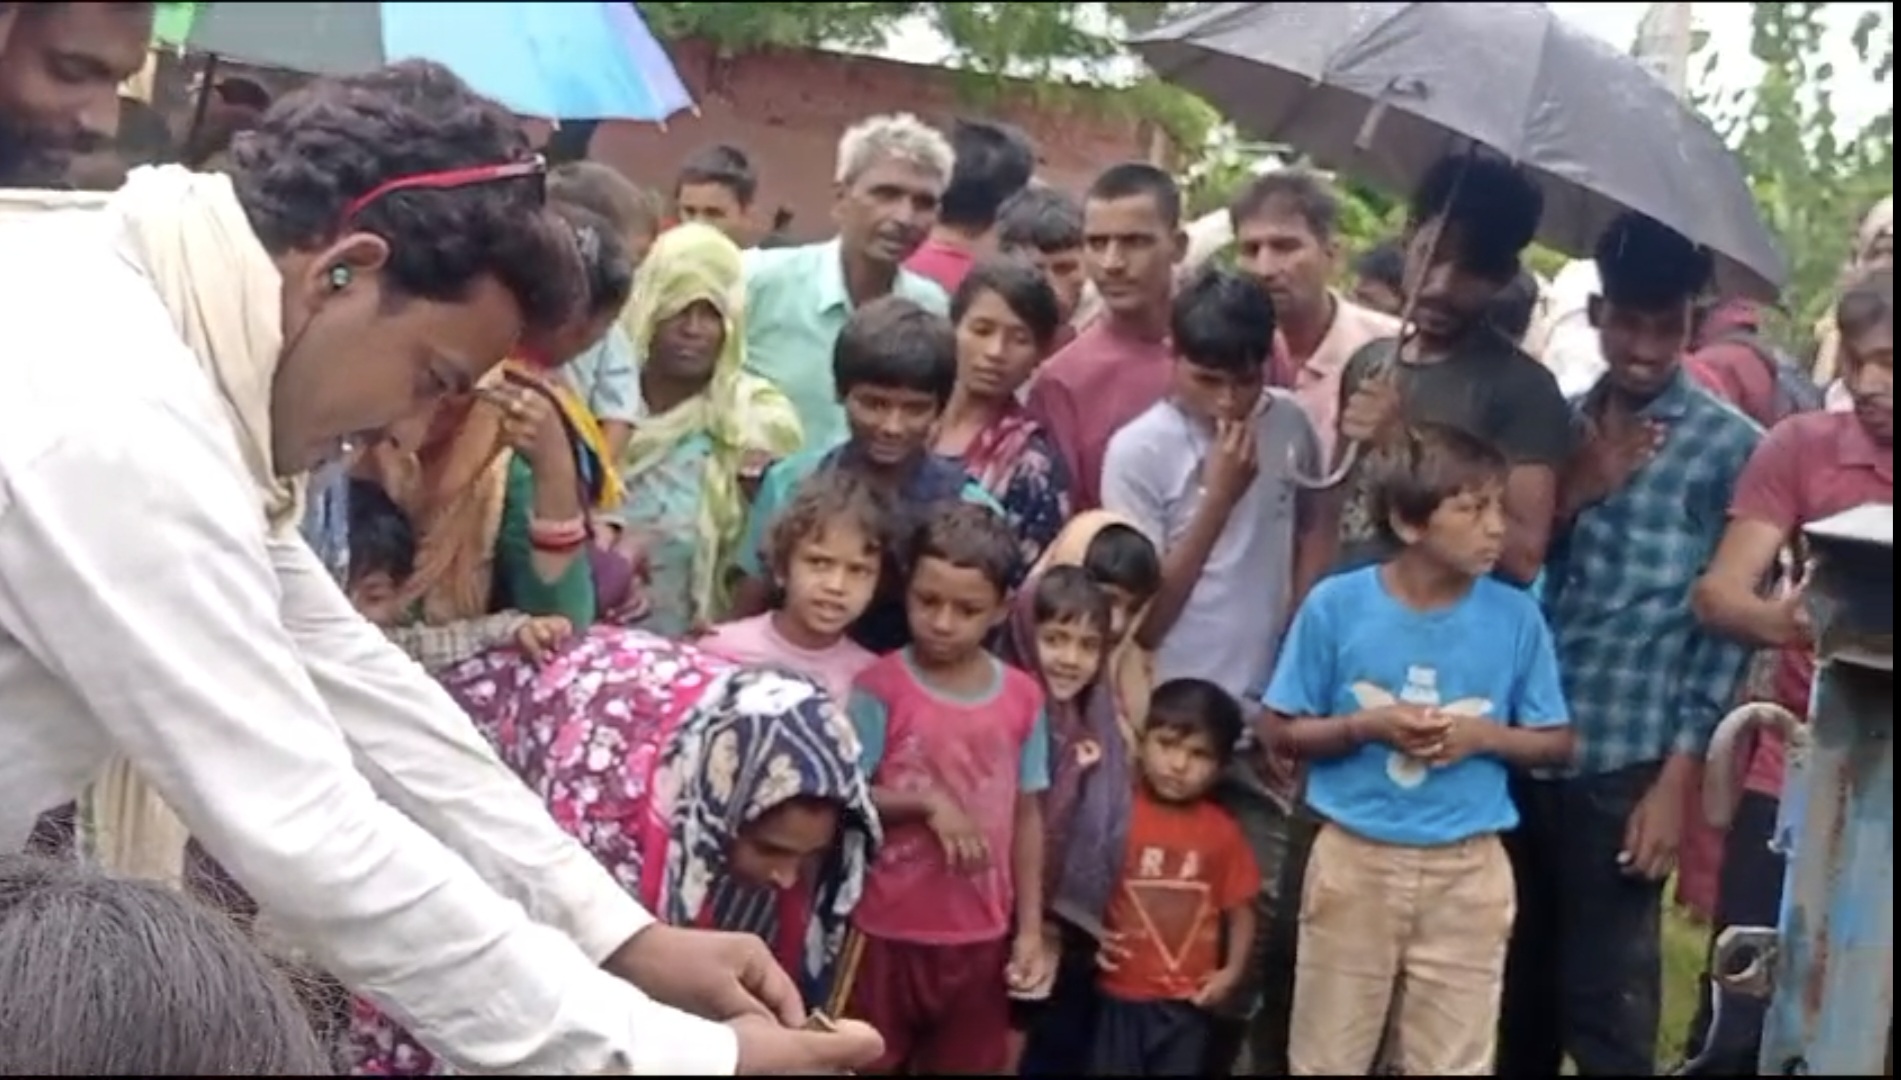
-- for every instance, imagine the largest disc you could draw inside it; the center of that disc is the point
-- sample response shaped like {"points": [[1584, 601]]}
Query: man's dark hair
{"points": [[1383, 263], [321, 148], [971, 537], [1491, 204], [1022, 288], [382, 539], [1040, 219], [1137, 180], [1068, 594], [1867, 303], [1427, 465], [1512, 310], [1120, 556], [1197, 707], [722, 164], [603, 189], [1306, 193], [107, 976], [1223, 319], [895, 343], [994, 162], [605, 261], [1645, 265]]}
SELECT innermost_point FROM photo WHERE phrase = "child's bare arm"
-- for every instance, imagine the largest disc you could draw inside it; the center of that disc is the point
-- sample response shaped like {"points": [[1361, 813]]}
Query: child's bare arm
{"points": [[1239, 922], [438, 647], [1523, 747], [898, 806], [1026, 861], [1316, 738]]}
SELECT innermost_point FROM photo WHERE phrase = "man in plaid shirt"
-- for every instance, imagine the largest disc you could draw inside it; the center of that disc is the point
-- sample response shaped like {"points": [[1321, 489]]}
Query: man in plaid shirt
{"points": [[1641, 511]]}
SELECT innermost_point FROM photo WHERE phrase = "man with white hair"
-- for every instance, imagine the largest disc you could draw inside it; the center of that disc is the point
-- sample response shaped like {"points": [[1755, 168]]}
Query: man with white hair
{"points": [[892, 171]]}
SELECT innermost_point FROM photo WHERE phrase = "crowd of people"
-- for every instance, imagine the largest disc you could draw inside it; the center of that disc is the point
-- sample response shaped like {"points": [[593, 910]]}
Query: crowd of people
{"points": [[582, 638]]}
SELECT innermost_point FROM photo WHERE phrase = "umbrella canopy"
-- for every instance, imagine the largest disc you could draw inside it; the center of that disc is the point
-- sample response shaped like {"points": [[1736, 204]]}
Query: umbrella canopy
{"points": [[1385, 90], [566, 61]]}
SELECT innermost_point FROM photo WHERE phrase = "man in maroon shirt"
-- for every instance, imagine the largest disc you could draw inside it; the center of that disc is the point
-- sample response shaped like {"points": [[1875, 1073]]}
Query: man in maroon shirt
{"points": [[1729, 363], [1810, 467], [994, 162], [1044, 225], [1119, 365]]}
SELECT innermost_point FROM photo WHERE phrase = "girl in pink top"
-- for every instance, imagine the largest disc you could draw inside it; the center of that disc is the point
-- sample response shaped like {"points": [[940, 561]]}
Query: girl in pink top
{"points": [[824, 553]]}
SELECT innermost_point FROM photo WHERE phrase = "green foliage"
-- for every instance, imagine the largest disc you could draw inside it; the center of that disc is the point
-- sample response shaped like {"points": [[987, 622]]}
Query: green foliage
{"points": [[740, 27], [1813, 184], [1033, 41]]}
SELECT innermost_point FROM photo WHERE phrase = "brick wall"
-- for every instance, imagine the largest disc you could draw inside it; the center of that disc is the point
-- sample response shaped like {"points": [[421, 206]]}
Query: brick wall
{"points": [[788, 108]]}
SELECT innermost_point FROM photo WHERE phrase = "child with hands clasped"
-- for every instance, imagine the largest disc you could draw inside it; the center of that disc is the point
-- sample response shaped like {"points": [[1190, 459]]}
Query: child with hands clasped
{"points": [[1181, 922], [1413, 687], [956, 745]]}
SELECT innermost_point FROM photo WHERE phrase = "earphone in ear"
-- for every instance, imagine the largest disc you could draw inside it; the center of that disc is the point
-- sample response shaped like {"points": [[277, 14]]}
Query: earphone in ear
{"points": [[339, 276]]}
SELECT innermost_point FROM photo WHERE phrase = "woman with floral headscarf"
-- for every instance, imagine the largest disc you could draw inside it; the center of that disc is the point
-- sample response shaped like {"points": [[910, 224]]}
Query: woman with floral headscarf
{"points": [[708, 427], [723, 797]]}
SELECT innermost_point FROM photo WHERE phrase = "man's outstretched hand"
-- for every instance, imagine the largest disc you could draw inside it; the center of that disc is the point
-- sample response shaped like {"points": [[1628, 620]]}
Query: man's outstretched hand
{"points": [[709, 973], [734, 978], [767, 1048]]}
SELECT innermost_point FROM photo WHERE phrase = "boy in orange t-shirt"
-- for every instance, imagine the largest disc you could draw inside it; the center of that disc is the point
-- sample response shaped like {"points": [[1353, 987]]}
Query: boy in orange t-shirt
{"points": [[1181, 922]]}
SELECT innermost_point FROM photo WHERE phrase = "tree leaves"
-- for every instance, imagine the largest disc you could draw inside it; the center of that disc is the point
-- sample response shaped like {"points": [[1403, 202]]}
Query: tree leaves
{"points": [[1812, 182]]}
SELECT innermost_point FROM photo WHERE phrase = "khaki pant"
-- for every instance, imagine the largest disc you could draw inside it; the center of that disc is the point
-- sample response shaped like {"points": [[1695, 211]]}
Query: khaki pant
{"points": [[1415, 933]]}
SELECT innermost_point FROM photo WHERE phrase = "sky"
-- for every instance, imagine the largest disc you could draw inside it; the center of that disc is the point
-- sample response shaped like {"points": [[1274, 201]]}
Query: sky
{"points": [[1857, 99]]}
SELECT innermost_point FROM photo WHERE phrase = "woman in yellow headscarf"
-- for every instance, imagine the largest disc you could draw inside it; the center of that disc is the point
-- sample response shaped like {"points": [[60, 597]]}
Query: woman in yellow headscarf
{"points": [[706, 425]]}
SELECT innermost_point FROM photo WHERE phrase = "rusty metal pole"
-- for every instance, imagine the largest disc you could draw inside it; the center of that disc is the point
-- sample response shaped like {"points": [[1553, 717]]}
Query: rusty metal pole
{"points": [[1832, 1006]]}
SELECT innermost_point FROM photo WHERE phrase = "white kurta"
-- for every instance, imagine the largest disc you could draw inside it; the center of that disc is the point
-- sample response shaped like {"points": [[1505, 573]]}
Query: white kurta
{"points": [[145, 611]]}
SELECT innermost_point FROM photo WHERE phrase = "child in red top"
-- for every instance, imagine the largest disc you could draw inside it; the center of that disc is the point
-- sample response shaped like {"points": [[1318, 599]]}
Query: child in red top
{"points": [[957, 748], [1181, 922]]}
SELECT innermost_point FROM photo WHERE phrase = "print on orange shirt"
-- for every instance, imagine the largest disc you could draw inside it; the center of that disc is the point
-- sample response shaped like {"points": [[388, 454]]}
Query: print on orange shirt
{"points": [[1183, 867]]}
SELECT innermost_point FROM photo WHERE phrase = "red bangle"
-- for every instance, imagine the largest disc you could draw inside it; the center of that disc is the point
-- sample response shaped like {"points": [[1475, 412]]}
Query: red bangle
{"points": [[558, 535], [550, 547]]}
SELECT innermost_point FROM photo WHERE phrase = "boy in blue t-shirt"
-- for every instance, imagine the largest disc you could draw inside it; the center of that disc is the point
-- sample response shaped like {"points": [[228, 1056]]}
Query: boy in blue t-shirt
{"points": [[1412, 687]]}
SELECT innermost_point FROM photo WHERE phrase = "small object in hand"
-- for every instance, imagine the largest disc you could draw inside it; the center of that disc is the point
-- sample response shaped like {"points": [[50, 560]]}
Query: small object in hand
{"points": [[818, 1021]]}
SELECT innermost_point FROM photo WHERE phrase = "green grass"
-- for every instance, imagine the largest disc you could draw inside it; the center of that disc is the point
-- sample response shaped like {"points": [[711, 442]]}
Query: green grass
{"points": [[1684, 944]]}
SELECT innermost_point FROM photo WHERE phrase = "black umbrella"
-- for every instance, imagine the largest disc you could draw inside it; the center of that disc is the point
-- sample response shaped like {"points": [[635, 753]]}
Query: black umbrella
{"points": [[1385, 90]]}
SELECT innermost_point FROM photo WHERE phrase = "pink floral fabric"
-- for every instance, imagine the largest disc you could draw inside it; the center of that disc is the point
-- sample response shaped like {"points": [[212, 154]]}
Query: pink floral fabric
{"points": [[655, 755], [631, 699]]}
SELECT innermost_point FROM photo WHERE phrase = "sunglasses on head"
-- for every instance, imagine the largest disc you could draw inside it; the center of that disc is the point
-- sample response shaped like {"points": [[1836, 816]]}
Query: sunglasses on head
{"points": [[534, 169]]}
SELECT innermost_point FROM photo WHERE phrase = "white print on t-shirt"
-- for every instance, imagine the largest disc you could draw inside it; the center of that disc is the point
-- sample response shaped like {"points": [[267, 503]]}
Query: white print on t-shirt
{"points": [[1422, 688]]}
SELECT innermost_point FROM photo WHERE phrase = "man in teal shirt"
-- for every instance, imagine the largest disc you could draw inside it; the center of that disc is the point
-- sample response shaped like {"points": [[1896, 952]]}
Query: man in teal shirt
{"points": [[891, 173]]}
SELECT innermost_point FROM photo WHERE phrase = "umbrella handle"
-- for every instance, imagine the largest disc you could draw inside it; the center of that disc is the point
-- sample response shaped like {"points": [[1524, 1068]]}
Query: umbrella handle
{"points": [[1327, 480], [202, 107]]}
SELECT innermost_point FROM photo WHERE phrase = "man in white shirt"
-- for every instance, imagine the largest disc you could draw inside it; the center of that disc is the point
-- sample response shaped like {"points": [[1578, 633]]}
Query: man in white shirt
{"points": [[168, 361]]}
